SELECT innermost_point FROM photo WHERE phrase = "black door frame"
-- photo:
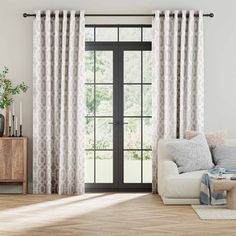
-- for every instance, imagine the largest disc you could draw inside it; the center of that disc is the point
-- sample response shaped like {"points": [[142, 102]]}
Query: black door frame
{"points": [[118, 138]]}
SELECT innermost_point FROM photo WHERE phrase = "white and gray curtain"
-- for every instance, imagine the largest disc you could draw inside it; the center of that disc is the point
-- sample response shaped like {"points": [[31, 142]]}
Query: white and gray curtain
{"points": [[178, 78], [58, 103]]}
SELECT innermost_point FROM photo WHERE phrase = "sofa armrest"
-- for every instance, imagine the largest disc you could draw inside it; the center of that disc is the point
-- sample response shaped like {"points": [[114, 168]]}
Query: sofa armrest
{"points": [[165, 170], [168, 168]]}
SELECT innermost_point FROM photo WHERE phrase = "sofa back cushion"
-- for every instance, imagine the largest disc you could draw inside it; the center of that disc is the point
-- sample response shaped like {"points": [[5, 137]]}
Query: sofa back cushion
{"points": [[213, 138], [224, 156], [164, 155], [191, 155]]}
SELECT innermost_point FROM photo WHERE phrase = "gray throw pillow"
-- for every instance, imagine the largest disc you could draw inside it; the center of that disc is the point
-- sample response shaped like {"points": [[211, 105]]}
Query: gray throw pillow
{"points": [[224, 156], [191, 155]]}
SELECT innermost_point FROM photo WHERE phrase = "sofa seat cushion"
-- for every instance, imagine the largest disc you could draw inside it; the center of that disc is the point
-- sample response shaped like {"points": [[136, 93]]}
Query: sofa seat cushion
{"points": [[186, 185]]}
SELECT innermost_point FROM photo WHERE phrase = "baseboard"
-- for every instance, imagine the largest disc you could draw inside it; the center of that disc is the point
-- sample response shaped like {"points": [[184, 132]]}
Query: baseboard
{"points": [[10, 189], [125, 190]]}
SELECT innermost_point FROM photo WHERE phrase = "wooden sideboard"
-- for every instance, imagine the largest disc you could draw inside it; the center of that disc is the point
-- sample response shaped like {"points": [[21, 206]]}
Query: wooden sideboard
{"points": [[13, 161]]}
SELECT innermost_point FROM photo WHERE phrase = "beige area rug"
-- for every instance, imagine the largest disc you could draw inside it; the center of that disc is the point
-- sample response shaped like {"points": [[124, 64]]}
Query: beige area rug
{"points": [[214, 212]]}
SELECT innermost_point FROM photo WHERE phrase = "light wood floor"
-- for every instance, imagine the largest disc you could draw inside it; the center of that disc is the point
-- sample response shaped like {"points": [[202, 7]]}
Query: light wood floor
{"points": [[102, 214]]}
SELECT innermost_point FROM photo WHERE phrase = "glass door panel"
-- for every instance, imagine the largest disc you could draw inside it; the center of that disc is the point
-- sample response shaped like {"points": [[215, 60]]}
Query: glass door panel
{"points": [[147, 167], [147, 66], [104, 167], [89, 66], [106, 34], [132, 66], [99, 131], [132, 100], [129, 34], [90, 133], [147, 133], [89, 167], [104, 66], [104, 133], [132, 133], [90, 100], [132, 167], [104, 100], [147, 100], [137, 107]]}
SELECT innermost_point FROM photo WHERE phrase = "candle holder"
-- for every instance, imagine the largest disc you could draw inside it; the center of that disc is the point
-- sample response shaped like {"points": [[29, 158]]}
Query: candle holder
{"points": [[13, 124], [20, 131], [9, 131]]}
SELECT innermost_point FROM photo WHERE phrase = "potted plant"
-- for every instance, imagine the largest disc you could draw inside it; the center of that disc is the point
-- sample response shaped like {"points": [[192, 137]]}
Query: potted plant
{"points": [[7, 91]]}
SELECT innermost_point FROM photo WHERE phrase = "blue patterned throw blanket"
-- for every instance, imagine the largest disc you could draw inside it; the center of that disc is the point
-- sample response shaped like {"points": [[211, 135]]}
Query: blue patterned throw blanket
{"points": [[206, 195]]}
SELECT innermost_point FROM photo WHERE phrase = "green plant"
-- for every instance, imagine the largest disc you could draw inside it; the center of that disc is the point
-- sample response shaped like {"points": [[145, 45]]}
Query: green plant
{"points": [[7, 89]]}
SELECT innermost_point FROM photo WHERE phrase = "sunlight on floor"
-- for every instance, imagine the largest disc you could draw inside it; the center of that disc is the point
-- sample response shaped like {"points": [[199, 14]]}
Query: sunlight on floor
{"points": [[46, 213]]}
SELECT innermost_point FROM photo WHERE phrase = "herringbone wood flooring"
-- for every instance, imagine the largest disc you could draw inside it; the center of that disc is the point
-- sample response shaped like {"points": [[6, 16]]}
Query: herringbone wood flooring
{"points": [[102, 214]]}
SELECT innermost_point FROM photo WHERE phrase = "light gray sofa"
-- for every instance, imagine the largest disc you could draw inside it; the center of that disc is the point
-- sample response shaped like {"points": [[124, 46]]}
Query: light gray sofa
{"points": [[175, 188]]}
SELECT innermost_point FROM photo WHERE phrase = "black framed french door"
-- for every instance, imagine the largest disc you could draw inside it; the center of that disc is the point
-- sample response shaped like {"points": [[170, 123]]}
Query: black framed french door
{"points": [[122, 168]]}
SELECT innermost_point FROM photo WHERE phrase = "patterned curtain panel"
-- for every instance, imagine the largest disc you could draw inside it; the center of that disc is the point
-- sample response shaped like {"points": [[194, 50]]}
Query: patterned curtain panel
{"points": [[59, 103], [178, 81]]}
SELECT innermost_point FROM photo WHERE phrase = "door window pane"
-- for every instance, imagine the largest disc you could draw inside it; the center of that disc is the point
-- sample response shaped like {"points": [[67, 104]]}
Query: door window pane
{"points": [[132, 167], [104, 167], [129, 34], [147, 100], [104, 100], [106, 34], [132, 100], [89, 66], [132, 133], [147, 34], [89, 34], [147, 167], [89, 133], [104, 136], [147, 133], [147, 66], [132, 66], [104, 66], [89, 100], [89, 167]]}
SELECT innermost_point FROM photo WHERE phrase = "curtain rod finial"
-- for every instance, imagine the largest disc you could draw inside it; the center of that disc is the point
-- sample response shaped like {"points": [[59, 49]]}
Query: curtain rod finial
{"points": [[25, 14], [211, 14]]}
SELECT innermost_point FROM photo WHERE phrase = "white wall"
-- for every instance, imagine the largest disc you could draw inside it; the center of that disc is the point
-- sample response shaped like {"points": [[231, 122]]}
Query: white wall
{"points": [[220, 49]]}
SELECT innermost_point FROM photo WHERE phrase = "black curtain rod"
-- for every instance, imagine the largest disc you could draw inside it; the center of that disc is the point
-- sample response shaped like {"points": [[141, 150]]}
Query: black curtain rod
{"points": [[118, 15]]}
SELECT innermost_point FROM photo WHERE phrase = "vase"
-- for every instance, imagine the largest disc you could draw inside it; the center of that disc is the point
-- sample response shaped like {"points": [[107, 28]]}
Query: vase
{"points": [[2, 124]]}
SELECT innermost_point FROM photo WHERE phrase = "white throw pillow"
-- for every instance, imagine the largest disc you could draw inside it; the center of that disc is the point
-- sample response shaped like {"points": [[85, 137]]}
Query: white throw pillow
{"points": [[191, 155]]}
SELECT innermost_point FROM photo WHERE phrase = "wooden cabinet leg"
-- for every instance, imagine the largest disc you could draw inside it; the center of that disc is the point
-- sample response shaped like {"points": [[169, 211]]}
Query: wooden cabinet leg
{"points": [[24, 188]]}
